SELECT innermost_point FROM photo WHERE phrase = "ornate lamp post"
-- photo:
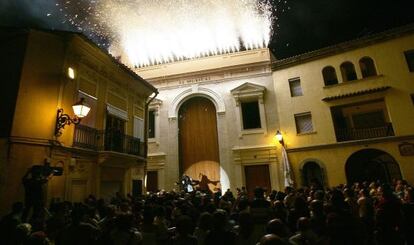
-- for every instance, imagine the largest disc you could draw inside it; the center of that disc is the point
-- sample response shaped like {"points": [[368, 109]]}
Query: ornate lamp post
{"points": [[80, 109]]}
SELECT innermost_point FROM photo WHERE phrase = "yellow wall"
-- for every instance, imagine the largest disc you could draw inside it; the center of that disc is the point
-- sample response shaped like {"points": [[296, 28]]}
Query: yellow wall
{"points": [[45, 87], [391, 67], [333, 160], [392, 71]]}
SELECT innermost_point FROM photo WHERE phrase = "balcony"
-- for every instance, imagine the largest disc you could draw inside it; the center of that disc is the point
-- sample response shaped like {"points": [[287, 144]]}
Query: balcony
{"points": [[101, 140], [348, 134]]}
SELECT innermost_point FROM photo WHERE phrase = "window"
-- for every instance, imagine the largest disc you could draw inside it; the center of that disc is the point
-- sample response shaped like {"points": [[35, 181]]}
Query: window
{"points": [[367, 67], [250, 106], [303, 123], [114, 133], [348, 71], [409, 57], [151, 124], [139, 128], [329, 76], [251, 115], [295, 88]]}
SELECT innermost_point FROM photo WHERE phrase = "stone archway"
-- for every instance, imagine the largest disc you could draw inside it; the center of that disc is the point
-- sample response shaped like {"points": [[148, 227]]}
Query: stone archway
{"points": [[195, 91], [372, 165]]}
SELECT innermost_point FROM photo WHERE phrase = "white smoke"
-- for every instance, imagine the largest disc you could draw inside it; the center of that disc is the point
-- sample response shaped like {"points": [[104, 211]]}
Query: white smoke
{"points": [[147, 32]]}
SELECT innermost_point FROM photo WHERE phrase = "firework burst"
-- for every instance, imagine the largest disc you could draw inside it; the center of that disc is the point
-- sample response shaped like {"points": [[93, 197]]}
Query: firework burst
{"points": [[149, 32]]}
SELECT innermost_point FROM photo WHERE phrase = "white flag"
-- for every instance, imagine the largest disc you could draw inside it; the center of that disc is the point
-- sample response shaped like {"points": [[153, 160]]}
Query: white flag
{"points": [[287, 172]]}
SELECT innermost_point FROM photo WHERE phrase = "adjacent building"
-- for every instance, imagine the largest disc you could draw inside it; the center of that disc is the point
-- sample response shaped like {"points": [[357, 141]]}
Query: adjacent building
{"points": [[43, 74], [347, 111]]}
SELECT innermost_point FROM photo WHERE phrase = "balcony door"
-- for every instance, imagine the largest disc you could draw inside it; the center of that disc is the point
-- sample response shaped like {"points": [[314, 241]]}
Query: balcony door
{"points": [[114, 133], [199, 150]]}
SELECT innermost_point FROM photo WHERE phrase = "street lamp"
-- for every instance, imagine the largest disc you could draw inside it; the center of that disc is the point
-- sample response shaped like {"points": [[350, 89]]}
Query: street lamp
{"points": [[80, 109], [279, 137]]}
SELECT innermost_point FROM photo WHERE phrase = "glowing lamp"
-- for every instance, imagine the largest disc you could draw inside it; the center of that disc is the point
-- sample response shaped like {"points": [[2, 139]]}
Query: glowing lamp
{"points": [[80, 110], [71, 73], [279, 137]]}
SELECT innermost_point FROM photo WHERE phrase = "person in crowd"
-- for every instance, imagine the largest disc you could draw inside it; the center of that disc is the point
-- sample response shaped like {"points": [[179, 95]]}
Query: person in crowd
{"points": [[304, 235], [9, 223]]}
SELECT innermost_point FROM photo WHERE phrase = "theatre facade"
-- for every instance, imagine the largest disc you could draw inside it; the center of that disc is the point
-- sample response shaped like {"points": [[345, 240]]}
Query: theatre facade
{"points": [[214, 119]]}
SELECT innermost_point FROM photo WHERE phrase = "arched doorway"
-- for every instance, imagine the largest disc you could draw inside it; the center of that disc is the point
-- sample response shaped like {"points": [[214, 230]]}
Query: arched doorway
{"points": [[312, 175], [371, 165], [199, 150]]}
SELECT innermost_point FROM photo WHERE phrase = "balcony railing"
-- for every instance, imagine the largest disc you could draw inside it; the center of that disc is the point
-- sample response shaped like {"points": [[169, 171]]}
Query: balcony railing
{"points": [[85, 137], [110, 140], [347, 134]]}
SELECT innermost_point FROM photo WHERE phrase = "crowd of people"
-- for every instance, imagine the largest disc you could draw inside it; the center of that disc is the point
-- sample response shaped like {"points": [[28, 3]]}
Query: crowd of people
{"points": [[362, 213]]}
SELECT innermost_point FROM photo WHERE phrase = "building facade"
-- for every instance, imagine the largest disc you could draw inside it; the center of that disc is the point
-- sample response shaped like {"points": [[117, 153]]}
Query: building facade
{"points": [[44, 71], [346, 112], [214, 120]]}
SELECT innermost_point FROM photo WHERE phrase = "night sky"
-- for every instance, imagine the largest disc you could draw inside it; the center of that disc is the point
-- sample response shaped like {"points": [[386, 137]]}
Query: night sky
{"points": [[306, 26], [313, 24]]}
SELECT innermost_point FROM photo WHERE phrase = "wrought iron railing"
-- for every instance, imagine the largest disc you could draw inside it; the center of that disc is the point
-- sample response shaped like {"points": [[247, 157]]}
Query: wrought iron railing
{"points": [[347, 134], [85, 137], [110, 140]]}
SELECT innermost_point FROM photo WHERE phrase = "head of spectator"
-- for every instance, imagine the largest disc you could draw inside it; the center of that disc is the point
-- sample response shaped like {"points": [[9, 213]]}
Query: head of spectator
{"points": [[219, 220], [184, 226], [205, 222], [271, 239], [277, 227]]}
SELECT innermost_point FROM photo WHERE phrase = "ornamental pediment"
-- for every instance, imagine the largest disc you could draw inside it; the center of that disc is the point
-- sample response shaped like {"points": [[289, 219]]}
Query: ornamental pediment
{"points": [[248, 90]]}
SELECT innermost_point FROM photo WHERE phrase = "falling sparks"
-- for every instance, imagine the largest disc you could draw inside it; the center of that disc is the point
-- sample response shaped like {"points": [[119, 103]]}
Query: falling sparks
{"points": [[149, 32]]}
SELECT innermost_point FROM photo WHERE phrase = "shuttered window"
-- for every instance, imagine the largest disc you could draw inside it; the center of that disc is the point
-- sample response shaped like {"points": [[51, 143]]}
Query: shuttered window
{"points": [[303, 123], [295, 88], [139, 128]]}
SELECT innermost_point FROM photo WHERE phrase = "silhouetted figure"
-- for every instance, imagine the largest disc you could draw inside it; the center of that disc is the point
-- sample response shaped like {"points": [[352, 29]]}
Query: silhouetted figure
{"points": [[34, 182], [204, 181], [187, 183], [185, 228], [220, 234]]}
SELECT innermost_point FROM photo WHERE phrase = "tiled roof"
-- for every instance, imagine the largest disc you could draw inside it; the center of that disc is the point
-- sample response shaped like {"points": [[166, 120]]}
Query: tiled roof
{"points": [[356, 93]]}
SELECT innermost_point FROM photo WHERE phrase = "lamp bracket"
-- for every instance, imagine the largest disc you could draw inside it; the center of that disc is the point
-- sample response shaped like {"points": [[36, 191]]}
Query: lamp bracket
{"points": [[62, 120]]}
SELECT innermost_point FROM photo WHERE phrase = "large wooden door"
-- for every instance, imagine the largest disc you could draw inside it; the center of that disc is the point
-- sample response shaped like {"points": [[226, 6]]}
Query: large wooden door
{"points": [[257, 176], [199, 151]]}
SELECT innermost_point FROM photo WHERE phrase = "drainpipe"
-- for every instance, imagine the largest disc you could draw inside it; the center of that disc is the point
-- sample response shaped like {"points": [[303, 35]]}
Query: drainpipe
{"points": [[146, 135]]}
